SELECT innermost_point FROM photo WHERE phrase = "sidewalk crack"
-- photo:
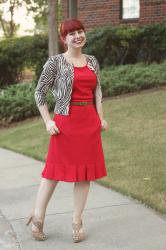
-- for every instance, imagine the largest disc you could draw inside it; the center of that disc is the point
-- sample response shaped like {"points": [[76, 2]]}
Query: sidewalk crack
{"points": [[12, 233]]}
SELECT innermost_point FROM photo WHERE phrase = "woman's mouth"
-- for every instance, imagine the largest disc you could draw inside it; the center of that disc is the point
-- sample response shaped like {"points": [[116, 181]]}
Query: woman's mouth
{"points": [[78, 42]]}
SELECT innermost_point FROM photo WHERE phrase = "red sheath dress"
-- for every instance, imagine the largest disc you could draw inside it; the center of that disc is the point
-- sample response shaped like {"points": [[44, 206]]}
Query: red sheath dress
{"points": [[76, 153]]}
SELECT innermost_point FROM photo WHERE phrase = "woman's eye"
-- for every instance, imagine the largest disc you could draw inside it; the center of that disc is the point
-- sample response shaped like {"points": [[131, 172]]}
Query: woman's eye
{"points": [[80, 31], [73, 33]]}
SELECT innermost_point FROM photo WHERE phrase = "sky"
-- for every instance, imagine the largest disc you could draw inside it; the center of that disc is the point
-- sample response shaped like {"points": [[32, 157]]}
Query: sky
{"points": [[26, 21]]}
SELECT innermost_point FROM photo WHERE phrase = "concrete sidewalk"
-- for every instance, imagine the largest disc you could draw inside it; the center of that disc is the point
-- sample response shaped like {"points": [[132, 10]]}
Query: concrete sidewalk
{"points": [[111, 220]]}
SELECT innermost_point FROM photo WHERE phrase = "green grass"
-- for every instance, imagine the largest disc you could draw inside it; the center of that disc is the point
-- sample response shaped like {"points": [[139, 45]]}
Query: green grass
{"points": [[134, 146]]}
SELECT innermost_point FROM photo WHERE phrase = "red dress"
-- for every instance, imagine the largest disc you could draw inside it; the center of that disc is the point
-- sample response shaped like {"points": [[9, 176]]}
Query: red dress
{"points": [[76, 153]]}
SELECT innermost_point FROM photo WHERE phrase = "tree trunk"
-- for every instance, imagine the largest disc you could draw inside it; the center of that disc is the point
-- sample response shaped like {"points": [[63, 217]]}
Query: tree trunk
{"points": [[52, 29], [12, 26]]}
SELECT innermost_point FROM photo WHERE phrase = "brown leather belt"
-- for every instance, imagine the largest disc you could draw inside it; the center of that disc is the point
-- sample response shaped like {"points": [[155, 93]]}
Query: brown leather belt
{"points": [[81, 103]]}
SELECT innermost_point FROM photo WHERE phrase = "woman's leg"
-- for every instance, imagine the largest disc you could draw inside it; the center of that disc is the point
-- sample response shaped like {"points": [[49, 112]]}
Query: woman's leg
{"points": [[45, 192], [81, 190]]}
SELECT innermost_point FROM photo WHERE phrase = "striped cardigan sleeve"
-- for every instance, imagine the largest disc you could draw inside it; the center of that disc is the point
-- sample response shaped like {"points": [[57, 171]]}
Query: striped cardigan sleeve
{"points": [[45, 81]]}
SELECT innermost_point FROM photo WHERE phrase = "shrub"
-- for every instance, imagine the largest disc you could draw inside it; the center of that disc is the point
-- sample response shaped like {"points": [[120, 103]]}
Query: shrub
{"points": [[152, 43], [127, 45], [17, 103], [17, 53], [122, 79]]}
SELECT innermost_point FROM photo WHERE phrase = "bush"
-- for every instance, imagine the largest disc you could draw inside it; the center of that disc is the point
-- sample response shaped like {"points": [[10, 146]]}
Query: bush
{"points": [[127, 45], [17, 103], [152, 43], [123, 79], [17, 53]]}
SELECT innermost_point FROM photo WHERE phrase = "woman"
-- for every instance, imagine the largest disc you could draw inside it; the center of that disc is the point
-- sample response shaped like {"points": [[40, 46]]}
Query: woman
{"points": [[75, 151]]}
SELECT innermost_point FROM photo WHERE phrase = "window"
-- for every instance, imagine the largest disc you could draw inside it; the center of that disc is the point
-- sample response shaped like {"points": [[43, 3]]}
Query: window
{"points": [[130, 9]]}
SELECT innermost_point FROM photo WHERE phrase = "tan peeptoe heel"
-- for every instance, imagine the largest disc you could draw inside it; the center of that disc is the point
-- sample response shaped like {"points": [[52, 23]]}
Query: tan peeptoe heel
{"points": [[40, 235], [78, 233]]}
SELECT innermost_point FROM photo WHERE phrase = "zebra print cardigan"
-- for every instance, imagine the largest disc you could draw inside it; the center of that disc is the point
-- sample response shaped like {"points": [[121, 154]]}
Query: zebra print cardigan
{"points": [[58, 75]]}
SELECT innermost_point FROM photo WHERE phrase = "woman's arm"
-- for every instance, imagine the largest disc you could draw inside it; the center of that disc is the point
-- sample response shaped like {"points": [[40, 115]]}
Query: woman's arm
{"points": [[101, 115], [99, 99], [44, 113], [49, 123], [99, 92], [45, 82], [104, 123]]}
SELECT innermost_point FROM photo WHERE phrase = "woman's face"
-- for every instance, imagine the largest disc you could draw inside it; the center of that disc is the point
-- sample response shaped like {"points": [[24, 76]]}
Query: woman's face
{"points": [[75, 39]]}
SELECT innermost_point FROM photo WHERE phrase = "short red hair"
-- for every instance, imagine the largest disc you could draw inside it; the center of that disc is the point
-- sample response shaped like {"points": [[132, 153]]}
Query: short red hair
{"points": [[69, 25]]}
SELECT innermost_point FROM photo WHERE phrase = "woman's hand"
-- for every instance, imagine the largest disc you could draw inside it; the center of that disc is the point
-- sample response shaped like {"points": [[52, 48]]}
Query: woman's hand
{"points": [[52, 128], [104, 125]]}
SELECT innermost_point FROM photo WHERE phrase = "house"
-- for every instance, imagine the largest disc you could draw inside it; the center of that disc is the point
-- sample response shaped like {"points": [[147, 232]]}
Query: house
{"points": [[97, 13]]}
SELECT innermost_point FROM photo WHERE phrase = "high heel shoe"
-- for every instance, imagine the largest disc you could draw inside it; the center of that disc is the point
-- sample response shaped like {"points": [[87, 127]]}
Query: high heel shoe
{"points": [[78, 233], [40, 235]]}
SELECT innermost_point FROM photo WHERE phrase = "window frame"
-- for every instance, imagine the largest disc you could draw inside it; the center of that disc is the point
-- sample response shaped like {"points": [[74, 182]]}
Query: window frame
{"points": [[135, 19]]}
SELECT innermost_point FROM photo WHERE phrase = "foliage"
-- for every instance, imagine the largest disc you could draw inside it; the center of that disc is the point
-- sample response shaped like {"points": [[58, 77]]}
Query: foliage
{"points": [[123, 79], [17, 103], [9, 27], [17, 53], [114, 45], [39, 9]]}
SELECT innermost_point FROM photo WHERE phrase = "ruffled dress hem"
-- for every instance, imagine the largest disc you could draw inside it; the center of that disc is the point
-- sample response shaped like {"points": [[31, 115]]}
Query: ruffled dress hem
{"points": [[73, 173]]}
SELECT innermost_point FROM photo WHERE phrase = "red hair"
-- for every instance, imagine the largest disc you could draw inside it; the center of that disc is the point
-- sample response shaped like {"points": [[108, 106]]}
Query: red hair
{"points": [[69, 25]]}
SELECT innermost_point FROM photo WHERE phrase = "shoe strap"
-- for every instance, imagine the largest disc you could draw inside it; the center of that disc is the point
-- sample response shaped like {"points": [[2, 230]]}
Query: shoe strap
{"points": [[38, 224], [77, 226]]}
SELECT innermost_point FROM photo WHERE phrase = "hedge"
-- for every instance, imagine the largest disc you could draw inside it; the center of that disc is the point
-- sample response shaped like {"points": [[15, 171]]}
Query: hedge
{"points": [[127, 44], [17, 53], [117, 80], [17, 101]]}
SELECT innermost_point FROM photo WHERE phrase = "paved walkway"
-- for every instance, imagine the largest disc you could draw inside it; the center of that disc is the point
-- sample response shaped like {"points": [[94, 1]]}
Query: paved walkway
{"points": [[112, 221]]}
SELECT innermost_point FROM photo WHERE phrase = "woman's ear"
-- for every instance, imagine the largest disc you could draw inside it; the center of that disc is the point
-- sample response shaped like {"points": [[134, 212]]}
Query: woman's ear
{"points": [[63, 39], [63, 42]]}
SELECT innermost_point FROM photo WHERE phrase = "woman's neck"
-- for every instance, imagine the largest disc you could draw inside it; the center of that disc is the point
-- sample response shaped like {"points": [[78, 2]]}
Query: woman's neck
{"points": [[74, 53]]}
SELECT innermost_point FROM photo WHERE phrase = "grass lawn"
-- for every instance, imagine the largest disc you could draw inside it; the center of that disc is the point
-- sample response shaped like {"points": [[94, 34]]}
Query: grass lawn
{"points": [[134, 147]]}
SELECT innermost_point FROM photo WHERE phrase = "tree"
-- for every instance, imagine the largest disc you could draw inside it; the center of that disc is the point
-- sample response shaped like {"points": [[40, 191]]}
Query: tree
{"points": [[9, 28], [53, 27], [39, 9], [47, 15]]}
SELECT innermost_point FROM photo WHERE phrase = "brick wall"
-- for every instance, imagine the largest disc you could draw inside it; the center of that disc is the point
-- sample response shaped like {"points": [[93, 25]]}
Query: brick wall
{"points": [[152, 11], [96, 13]]}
